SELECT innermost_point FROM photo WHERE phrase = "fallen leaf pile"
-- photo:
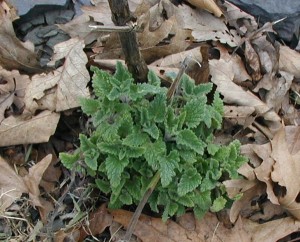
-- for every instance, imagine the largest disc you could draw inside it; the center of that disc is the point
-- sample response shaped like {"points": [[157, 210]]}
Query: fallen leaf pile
{"points": [[257, 77]]}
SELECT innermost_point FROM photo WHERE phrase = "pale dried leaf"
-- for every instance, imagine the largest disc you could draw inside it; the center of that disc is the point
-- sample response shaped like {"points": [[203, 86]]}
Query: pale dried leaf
{"points": [[12, 90], [13, 54], [208, 5], [79, 28], [33, 179], [205, 26], [286, 172], [11, 185], [253, 61], [289, 60], [61, 89], [163, 10], [238, 115], [38, 129]]}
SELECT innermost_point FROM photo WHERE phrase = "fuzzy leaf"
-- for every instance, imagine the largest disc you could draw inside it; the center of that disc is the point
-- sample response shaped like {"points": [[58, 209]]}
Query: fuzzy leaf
{"points": [[153, 79], [187, 85], [125, 198], [104, 186], [195, 112], [101, 83], [189, 139], [154, 151], [218, 204], [122, 74], [189, 181], [135, 139], [203, 89], [167, 167], [114, 168], [110, 148], [69, 160], [152, 130], [157, 108], [89, 106], [133, 186]]}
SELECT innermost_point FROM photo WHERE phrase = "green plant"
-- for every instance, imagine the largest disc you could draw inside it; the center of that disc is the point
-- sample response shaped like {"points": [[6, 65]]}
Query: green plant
{"points": [[139, 133]]}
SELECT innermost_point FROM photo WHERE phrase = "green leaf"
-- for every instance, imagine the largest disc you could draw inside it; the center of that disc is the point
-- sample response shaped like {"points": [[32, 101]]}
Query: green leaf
{"points": [[101, 82], [189, 181], [203, 200], [171, 121], [188, 156], [125, 198], [157, 108], [212, 149], [187, 85], [153, 201], [134, 152], [186, 201], [146, 88], [153, 79], [167, 167], [114, 168], [188, 138], [103, 185], [203, 89], [152, 130], [122, 74], [195, 111], [109, 148], [133, 186], [218, 204], [136, 139], [85, 143], [69, 160], [91, 158], [154, 152], [89, 106]]}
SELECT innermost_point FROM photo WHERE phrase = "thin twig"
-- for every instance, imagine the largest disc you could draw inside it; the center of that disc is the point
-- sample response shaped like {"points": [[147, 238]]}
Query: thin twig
{"points": [[125, 29]]}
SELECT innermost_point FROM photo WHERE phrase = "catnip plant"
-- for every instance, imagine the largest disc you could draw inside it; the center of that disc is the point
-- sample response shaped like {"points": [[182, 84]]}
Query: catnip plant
{"points": [[139, 134]]}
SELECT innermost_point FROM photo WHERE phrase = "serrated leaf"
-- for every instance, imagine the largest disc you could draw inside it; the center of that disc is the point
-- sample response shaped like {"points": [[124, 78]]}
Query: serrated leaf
{"points": [[171, 121], [146, 88], [195, 112], [186, 201], [104, 186], [212, 149], [135, 139], [153, 79], [109, 148], [188, 156], [114, 168], [203, 200], [85, 143], [108, 132], [188, 138], [134, 152], [203, 89], [91, 158], [89, 106], [125, 198], [69, 160], [157, 108], [101, 84], [154, 152], [152, 130], [187, 85], [167, 167], [189, 181], [153, 201], [122, 74], [133, 186], [199, 212], [218, 104], [218, 204]]}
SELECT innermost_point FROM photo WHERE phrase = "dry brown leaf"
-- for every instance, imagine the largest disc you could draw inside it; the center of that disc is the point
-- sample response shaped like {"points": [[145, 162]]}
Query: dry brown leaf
{"points": [[253, 61], [208, 5], [13, 53], [223, 75], [12, 185], [12, 90], [289, 60], [160, 12], [153, 229], [79, 28], [205, 26], [61, 89], [286, 172], [99, 220], [38, 129], [238, 115]]}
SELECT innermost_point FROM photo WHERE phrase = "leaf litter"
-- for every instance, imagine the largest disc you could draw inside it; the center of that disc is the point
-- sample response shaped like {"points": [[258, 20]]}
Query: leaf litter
{"points": [[255, 77]]}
